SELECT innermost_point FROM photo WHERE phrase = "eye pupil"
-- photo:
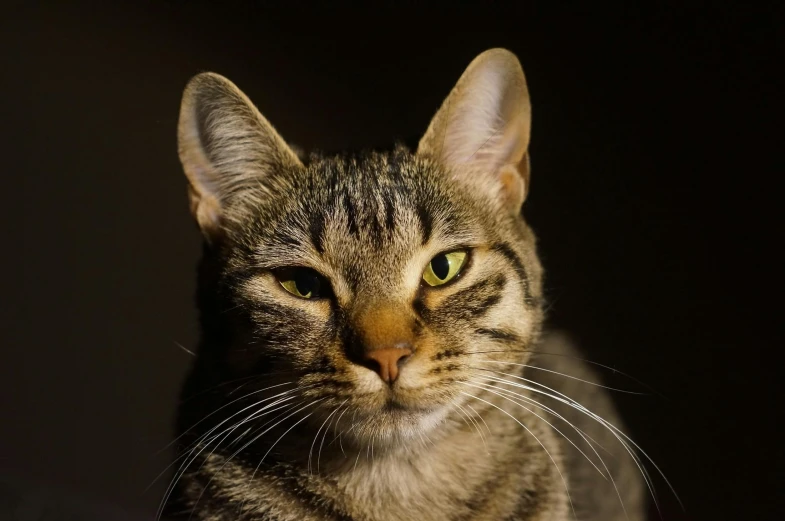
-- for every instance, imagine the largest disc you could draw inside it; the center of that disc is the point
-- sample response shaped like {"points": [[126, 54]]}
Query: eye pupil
{"points": [[307, 282], [441, 266]]}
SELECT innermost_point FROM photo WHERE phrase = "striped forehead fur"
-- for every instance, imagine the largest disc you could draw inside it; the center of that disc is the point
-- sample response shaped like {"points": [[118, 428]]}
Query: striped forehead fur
{"points": [[359, 208]]}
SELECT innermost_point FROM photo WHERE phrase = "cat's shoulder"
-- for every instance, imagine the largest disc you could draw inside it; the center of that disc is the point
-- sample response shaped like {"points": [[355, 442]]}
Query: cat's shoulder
{"points": [[566, 372]]}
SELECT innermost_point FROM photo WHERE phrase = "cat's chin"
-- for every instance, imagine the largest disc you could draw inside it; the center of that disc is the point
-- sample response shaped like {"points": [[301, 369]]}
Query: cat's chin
{"points": [[394, 425]]}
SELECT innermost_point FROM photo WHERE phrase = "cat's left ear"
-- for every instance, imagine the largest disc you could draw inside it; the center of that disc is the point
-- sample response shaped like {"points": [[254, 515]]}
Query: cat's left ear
{"points": [[481, 132]]}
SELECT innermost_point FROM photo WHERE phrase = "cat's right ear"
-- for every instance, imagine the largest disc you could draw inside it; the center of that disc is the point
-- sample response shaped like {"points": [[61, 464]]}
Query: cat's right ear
{"points": [[226, 148]]}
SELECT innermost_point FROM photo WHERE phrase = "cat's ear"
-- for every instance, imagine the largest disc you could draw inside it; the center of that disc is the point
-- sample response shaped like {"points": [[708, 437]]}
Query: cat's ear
{"points": [[226, 147], [481, 131]]}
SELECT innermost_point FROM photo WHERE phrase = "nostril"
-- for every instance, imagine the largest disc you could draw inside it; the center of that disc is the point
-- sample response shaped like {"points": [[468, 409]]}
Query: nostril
{"points": [[372, 364], [386, 362]]}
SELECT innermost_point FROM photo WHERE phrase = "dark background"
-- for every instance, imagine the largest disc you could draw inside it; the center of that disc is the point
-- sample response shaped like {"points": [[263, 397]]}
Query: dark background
{"points": [[654, 141]]}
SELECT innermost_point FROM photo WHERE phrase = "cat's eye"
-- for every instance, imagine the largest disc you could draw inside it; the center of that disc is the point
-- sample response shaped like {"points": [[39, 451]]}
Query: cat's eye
{"points": [[444, 267], [303, 282]]}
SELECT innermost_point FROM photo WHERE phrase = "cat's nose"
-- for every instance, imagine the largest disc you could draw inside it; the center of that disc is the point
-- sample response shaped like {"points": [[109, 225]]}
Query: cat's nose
{"points": [[387, 361]]}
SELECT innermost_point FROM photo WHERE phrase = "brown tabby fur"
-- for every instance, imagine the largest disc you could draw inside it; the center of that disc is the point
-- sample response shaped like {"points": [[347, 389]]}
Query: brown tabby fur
{"points": [[282, 420]]}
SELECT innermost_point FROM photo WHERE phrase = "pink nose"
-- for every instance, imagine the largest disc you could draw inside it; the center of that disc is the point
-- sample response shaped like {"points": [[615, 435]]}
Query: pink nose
{"points": [[387, 361]]}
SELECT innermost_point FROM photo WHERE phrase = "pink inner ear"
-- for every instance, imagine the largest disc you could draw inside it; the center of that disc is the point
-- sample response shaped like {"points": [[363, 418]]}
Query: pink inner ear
{"points": [[513, 184], [207, 212]]}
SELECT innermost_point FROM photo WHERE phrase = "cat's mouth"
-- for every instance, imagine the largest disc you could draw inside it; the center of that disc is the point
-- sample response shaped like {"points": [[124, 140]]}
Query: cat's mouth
{"points": [[393, 423], [404, 401], [393, 406], [397, 411]]}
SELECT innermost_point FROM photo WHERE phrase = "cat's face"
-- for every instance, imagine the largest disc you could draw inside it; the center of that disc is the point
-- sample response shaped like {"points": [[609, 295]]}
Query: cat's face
{"points": [[380, 286]]}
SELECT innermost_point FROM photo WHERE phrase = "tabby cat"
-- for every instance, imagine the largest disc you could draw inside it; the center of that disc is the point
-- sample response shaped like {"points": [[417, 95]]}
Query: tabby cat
{"points": [[370, 324]]}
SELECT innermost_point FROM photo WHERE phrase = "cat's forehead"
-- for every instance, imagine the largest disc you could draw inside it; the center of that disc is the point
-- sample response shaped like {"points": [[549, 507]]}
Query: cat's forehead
{"points": [[372, 175], [351, 210], [383, 201]]}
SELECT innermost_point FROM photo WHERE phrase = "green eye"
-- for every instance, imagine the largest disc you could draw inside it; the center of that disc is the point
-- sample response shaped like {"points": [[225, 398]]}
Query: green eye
{"points": [[444, 267], [303, 282]]}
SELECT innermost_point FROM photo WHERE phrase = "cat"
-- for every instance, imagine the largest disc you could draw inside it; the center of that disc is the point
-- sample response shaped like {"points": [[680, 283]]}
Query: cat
{"points": [[370, 328]]}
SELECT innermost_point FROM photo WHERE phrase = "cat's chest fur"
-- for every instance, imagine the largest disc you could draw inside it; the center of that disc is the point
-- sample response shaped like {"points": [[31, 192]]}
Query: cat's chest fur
{"points": [[461, 477]]}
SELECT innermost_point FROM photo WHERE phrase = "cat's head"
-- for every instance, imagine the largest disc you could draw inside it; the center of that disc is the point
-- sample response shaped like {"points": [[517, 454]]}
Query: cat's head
{"points": [[381, 285]]}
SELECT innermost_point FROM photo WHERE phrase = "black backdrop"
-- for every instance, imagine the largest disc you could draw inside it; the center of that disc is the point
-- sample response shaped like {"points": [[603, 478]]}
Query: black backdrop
{"points": [[653, 140]]}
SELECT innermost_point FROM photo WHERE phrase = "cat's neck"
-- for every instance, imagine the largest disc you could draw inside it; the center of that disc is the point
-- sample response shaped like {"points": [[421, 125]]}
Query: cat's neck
{"points": [[435, 479]]}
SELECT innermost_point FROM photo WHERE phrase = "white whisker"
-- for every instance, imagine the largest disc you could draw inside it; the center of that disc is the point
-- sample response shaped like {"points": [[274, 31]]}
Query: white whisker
{"points": [[181, 346], [358, 458], [245, 420], [268, 409], [564, 375], [324, 436], [196, 445], [580, 432], [480, 417], [253, 475], [254, 416], [566, 487], [490, 388], [617, 433], [316, 437], [338, 436], [467, 418], [189, 429]]}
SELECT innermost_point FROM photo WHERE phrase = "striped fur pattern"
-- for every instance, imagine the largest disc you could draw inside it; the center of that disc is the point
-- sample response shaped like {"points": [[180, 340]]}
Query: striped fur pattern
{"points": [[281, 417]]}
